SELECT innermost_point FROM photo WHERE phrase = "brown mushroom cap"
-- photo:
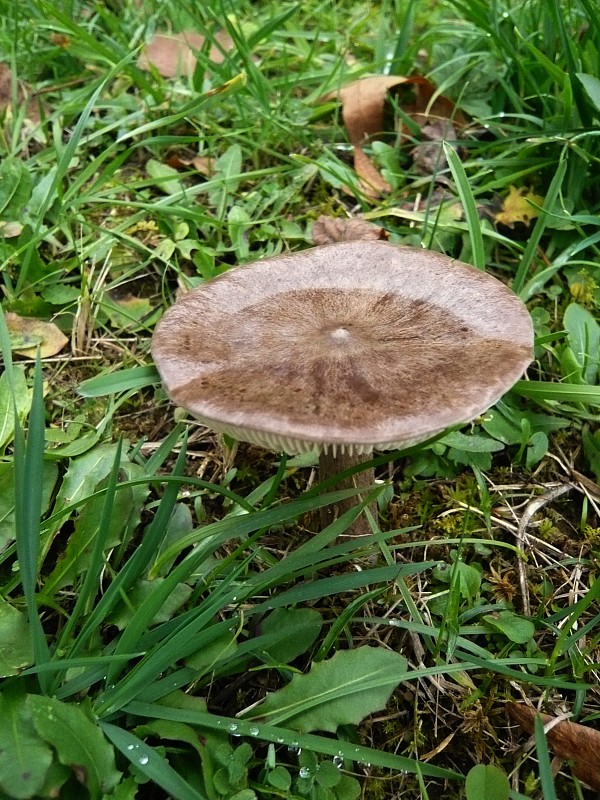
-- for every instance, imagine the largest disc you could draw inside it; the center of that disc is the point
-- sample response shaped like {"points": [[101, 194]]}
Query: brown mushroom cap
{"points": [[350, 346]]}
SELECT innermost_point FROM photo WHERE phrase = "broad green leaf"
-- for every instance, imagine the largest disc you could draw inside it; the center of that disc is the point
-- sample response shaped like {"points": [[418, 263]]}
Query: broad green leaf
{"points": [[302, 626], [16, 652], [22, 401], [487, 782], [84, 474], [516, 628], [227, 177], [584, 338], [470, 443], [504, 422], [280, 778], [77, 554], [140, 593], [537, 449], [167, 178], [238, 222], [7, 498], [348, 788], [15, 187], [469, 578], [214, 652], [180, 525], [340, 691], [79, 743], [24, 757]]}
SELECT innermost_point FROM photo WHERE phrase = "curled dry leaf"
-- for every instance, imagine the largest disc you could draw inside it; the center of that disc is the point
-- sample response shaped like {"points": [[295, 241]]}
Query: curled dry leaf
{"points": [[579, 744], [363, 103], [428, 156], [327, 230], [27, 334], [204, 165], [174, 54]]}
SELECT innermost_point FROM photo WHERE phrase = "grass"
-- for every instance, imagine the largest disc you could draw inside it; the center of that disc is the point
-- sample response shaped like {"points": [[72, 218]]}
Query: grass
{"points": [[157, 582]]}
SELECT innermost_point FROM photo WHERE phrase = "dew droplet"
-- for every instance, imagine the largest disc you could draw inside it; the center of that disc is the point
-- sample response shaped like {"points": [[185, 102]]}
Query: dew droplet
{"points": [[338, 761], [144, 760], [280, 740], [253, 731], [304, 772], [232, 727], [131, 747]]}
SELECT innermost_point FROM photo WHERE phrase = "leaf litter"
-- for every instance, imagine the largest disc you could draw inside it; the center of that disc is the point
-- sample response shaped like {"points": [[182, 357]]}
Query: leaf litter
{"points": [[363, 105]]}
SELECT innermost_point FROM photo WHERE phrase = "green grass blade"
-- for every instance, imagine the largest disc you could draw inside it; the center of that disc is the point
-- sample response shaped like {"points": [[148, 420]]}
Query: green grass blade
{"points": [[545, 768], [91, 582], [468, 202], [122, 380], [28, 463], [151, 764], [540, 226], [138, 562], [272, 733], [544, 391]]}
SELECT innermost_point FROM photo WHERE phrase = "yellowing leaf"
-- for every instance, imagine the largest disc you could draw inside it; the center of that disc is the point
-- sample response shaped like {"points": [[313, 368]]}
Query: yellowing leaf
{"points": [[517, 207], [27, 334]]}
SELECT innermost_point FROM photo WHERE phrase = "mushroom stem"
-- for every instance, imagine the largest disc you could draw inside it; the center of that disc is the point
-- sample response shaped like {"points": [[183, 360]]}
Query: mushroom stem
{"points": [[331, 465]]}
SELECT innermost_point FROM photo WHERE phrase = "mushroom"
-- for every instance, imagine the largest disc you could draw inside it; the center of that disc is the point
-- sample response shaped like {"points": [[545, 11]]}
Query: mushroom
{"points": [[343, 348]]}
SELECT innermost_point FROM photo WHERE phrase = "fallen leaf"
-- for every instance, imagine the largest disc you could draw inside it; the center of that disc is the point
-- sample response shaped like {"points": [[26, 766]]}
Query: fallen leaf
{"points": [[428, 156], [23, 94], [363, 104], [175, 54], [516, 207], [580, 744], [205, 165], [327, 230], [60, 40], [28, 333], [9, 230]]}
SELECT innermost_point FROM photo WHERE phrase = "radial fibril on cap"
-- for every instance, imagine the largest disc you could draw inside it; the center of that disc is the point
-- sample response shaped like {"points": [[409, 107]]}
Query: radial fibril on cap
{"points": [[356, 345]]}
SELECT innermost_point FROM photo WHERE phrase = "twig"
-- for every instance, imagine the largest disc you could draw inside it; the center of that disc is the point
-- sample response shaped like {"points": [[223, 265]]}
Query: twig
{"points": [[531, 510]]}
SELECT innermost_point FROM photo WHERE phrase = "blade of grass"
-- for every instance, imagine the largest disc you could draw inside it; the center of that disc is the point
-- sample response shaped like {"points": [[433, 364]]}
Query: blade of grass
{"points": [[150, 763], [140, 559], [540, 226], [28, 465], [271, 733], [92, 581], [468, 202], [545, 767], [558, 392]]}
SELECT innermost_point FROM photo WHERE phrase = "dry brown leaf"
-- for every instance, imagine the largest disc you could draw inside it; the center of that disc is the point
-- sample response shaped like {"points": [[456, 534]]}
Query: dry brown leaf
{"points": [[428, 156], [327, 230], [579, 744], [203, 164], [516, 208], [28, 333], [363, 104], [174, 54], [23, 94], [60, 40]]}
